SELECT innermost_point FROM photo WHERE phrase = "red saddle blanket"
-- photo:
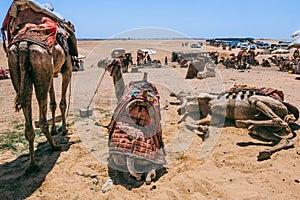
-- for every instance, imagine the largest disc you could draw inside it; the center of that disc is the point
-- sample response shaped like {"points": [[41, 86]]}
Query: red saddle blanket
{"points": [[32, 26], [274, 93], [135, 130]]}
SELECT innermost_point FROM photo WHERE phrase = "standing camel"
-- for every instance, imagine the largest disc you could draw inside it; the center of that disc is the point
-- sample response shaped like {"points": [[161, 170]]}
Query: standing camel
{"points": [[34, 58]]}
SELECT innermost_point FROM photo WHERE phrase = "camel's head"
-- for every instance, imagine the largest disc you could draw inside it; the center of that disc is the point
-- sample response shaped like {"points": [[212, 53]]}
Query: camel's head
{"points": [[110, 67], [204, 98], [204, 101]]}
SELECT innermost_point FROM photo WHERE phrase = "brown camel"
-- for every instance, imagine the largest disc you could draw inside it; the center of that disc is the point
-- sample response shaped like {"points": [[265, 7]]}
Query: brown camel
{"points": [[135, 137], [266, 117], [33, 63]]}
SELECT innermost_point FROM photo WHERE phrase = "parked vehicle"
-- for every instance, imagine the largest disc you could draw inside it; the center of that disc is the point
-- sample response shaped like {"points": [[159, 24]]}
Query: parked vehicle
{"points": [[282, 45], [263, 45], [244, 46], [234, 44], [240, 44], [196, 45], [273, 46], [252, 47]]}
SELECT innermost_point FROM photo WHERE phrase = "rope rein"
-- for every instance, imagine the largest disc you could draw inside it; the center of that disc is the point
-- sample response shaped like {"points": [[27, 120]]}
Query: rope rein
{"points": [[102, 76]]}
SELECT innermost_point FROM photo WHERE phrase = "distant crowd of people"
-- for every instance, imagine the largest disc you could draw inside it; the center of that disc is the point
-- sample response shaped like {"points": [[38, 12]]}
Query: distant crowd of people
{"points": [[243, 60], [286, 63]]}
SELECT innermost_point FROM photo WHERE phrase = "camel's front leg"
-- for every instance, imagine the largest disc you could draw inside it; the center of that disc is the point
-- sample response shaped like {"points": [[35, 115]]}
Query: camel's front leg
{"points": [[275, 122], [280, 143], [201, 125], [261, 104], [206, 121]]}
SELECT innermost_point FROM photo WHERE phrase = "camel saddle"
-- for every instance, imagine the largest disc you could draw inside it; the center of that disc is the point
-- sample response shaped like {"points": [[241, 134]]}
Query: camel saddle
{"points": [[271, 92], [28, 20], [35, 27], [135, 129]]}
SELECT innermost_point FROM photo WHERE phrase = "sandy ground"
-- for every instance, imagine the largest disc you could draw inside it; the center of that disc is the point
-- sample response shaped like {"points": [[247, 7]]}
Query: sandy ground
{"points": [[226, 171]]}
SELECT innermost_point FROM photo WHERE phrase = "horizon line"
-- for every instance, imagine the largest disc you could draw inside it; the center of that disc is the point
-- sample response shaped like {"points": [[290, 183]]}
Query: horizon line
{"points": [[183, 38]]}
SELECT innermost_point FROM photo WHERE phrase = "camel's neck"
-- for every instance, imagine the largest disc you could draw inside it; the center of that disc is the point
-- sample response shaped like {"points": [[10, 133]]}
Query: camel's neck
{"points": [[118, 81], [205, 110]]}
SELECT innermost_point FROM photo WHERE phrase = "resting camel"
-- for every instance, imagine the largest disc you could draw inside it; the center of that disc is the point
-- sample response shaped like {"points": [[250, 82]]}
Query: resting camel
{"points": [[265, 116], [135, 136], [32, 63]]}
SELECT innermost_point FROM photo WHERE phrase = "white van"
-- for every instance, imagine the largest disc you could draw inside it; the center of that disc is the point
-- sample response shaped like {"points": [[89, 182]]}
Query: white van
{"points": [[283, 45]]}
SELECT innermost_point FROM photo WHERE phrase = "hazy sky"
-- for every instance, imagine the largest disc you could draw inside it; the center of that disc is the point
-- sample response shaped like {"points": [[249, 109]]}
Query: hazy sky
{"points": [[273, 19]]}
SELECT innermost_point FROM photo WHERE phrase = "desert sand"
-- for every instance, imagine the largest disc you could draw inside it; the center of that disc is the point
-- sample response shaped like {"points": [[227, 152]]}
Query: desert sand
{"points": [[226, 171]]}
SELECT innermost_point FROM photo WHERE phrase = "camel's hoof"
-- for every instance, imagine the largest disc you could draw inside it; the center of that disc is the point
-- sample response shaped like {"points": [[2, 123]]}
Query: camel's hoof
{"points": [[264, 155], [288, 144], [32, 168], [148, 181], [204, 129], [150, 175], [129, 187], [205, 133]]}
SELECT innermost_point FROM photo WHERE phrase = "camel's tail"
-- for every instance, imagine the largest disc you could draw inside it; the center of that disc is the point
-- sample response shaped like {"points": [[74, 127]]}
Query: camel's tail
{"points": [[21, 94]]}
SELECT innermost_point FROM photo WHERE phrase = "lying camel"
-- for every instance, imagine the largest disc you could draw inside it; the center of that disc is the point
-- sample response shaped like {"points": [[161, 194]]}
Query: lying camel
{"points": [[135, 136], [266, 116]]}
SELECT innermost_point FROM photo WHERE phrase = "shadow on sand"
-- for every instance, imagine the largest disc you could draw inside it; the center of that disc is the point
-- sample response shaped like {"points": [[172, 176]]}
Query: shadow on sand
{"points": [[15, 183], [124, 179]]}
